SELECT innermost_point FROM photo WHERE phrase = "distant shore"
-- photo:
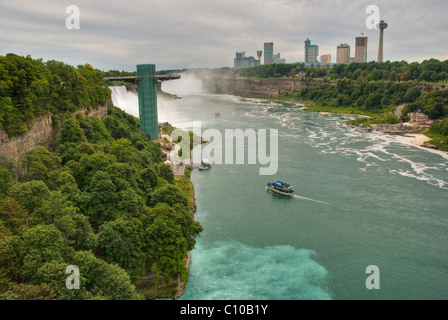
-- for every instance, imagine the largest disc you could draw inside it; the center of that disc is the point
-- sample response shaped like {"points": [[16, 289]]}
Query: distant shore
{"points": [[416, 139]]}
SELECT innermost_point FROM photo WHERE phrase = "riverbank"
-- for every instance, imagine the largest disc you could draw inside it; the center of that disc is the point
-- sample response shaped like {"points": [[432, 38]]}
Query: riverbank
{"points": [[417, 139]]}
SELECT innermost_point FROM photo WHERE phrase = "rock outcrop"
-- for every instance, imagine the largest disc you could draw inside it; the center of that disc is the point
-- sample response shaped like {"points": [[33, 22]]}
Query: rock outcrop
{"points": [[41, 133]]}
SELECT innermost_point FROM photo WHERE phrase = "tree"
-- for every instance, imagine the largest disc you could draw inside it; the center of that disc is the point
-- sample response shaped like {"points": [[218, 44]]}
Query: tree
{"points": [[53, 273], [25, 291], [60, 212], [10, 257], [72, 132], [149, 178], [14, 216], [170, 195], [121, 242], [5, 181], [393, 76], [440, 127], [373, 101], [100, 198], [411, 95], [66, 184], [104, 280], [43, 165], [165, 172], [178, 214], [128, 203], [30, 194], [169, 248], [123, 150], [41, 244], [90, 165]]}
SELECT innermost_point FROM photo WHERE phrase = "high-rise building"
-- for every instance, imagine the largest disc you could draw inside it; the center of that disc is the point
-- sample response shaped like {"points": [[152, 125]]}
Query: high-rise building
{"points": [[250, 62], [343, 53], [238, 60], [325, 59], [278, 60], [361, 49], [382, 26], [311, 51], [269, 53]]}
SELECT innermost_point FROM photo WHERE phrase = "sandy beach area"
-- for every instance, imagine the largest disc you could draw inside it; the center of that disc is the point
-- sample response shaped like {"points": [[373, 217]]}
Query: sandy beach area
{"points": [[417, 139]]}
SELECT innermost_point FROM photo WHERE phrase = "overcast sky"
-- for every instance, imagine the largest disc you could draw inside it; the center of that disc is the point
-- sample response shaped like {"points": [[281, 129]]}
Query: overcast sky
{"points": [[118, 34]]}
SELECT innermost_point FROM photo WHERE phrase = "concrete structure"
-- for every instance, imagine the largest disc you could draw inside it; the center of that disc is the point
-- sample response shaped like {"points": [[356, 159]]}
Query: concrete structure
{"points": [[238, 60], [418, 116], [311, 51], [361, 49], [343, 53], [325, 59], [269, 53], [383, 25]]}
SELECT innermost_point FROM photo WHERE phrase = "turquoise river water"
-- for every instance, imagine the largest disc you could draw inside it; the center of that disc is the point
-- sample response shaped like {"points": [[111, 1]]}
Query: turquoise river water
{"points": [[362, 199]]}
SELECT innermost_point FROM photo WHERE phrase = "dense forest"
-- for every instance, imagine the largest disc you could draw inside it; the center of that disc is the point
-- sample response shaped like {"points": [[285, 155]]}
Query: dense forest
{"points": [[30, 88], [102, 200]]}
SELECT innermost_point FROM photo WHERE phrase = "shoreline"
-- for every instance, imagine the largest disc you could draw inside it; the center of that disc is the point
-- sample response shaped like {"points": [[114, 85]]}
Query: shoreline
{"points": [[415, 139]]}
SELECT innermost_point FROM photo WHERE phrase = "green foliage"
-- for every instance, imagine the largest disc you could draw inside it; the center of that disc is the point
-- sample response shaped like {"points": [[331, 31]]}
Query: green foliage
{"points": [[123, 150], [30, 194], [100, 199], [170, 195], [14, 216], [84, 203], [41, 164], [5, 181], [165, 172], [104, 280], [121, 242], [30, 88], [41, 244], [169, 248], [440, 127]]}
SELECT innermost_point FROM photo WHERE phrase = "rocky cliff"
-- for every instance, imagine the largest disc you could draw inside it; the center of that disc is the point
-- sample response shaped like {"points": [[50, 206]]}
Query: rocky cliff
{"points": [[258, 88], [41, 132]]}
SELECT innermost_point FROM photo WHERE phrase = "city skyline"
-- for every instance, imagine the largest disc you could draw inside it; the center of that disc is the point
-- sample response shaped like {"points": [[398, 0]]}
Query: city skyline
{"points": [[175, 34]]}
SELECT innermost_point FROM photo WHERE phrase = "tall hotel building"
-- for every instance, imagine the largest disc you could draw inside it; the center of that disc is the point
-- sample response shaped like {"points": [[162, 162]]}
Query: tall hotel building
{"points": [[343, 53], [269, 53], [361, 49], [311, 51]]}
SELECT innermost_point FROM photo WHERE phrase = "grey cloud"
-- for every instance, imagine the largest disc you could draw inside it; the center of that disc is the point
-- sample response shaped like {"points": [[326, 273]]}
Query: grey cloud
{"points": [[198, 33]]}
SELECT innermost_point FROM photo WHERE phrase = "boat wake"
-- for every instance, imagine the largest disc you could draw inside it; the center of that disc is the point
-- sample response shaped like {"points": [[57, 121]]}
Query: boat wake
{"points": [[304, 198]]}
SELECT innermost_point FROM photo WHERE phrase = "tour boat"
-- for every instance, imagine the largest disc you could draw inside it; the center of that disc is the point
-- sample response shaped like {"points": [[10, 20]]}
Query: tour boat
{"points": [[205, 166], [281, 188]]}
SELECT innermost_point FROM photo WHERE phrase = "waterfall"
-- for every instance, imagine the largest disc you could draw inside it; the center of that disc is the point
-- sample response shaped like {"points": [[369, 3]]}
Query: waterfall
{"points": [[125, 100]]}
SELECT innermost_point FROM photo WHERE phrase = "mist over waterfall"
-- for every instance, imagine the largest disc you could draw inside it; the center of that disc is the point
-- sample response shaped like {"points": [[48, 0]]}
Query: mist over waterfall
{"points": [[125, 100], [187, 84]]}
